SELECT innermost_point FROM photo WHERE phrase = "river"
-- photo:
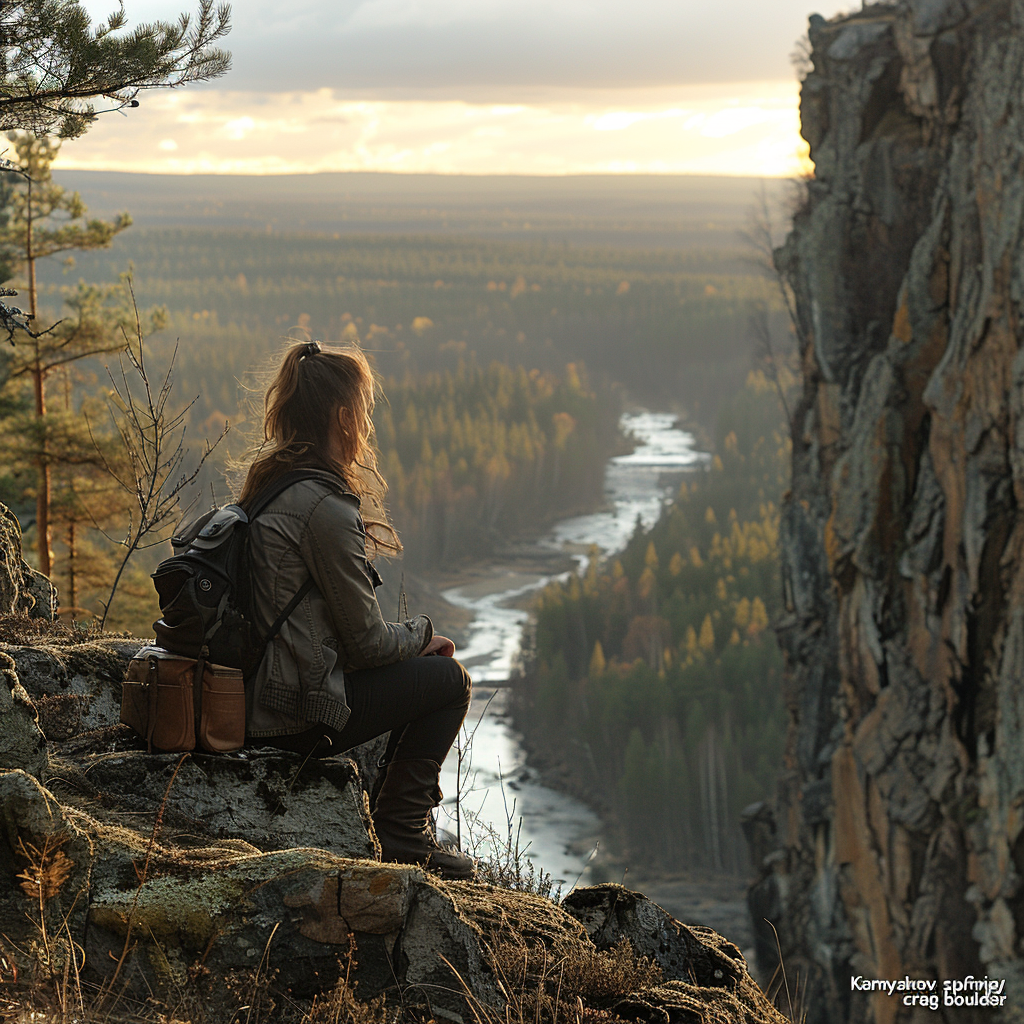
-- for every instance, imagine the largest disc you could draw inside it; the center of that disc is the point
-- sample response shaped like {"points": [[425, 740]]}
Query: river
{"points": [[501, 795]]}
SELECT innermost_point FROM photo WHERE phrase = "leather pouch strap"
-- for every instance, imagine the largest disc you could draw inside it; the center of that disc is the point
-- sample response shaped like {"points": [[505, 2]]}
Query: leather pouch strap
{"points": [[198, 671], [152, 692]]}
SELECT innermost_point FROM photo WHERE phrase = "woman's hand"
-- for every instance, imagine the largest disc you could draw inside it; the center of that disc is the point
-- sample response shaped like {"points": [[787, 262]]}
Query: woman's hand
{"points": [[439, 645]]}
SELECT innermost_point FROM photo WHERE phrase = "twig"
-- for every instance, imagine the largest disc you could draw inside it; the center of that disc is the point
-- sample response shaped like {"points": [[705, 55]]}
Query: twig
{"points": [[761, 238], [782, 966], [154, 443], [108, 986]]}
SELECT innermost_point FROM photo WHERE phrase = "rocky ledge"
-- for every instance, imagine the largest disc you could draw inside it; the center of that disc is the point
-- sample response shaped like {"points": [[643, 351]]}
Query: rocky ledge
{"points": [[204, 884]]}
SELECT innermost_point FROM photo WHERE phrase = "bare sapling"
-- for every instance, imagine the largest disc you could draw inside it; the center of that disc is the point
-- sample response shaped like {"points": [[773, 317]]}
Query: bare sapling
{"points": [[761, 238], [156, 472]]}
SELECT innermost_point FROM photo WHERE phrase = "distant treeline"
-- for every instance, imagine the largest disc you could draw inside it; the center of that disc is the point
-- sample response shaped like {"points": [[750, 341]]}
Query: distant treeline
{"points": [[473, 457], [655, 679], [670, 325], [476, 457]]}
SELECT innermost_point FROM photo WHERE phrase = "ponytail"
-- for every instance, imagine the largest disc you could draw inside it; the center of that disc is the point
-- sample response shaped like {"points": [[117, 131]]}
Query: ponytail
{"points": [[302, 412]]}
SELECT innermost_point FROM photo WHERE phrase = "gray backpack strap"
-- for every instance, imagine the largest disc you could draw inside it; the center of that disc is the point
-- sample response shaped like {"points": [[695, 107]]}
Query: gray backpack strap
{"points": [[279, 486], [289, 608]]}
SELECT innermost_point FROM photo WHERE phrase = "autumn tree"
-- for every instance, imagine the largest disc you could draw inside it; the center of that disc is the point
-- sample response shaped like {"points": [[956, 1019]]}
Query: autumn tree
{"points": [[54, 62]]}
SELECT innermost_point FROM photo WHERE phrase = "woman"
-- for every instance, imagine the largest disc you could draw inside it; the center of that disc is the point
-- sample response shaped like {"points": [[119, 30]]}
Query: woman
{"points": [[338, 674]]}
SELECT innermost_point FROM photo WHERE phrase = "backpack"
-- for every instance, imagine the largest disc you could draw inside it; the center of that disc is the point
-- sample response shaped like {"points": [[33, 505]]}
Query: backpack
{"points": [[189, 690], [205, 587]]}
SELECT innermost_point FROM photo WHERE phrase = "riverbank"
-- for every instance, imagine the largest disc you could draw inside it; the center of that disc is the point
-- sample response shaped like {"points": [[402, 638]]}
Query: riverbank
{"points": [[543, 804], [716, 901]]}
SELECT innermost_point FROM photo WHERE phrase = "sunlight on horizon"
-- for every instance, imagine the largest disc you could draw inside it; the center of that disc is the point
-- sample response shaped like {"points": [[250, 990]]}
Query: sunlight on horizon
{"points": [[743, 129]]}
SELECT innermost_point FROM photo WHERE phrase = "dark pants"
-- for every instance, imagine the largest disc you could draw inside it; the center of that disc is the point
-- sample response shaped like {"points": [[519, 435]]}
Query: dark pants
{"points": [[425, 700]]}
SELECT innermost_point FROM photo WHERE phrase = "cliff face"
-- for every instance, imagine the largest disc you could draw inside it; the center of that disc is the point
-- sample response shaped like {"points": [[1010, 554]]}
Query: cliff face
{"points": [[901, 811]]}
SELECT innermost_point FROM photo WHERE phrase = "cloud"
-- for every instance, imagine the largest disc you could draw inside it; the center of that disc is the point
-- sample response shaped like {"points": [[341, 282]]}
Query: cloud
{"points": [[744, 128], [516, 50]]}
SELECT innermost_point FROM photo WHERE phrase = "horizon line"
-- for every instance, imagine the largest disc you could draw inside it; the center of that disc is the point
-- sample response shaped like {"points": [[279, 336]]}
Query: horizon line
{"points": [[432, 174]]}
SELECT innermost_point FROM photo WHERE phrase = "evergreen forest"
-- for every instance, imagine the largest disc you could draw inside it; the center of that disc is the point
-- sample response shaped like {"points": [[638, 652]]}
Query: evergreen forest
{"points": [[655, 681]]}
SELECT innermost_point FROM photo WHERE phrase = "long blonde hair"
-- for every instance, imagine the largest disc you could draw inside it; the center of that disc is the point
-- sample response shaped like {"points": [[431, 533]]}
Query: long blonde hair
{"points": [[302, 412]]}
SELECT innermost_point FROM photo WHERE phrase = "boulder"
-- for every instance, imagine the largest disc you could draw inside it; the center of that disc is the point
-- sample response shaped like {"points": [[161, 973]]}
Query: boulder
{"points": [[23, 591], [151, 913], [22, 743], [225, 926], [271, 799], [610, 913], [213, 884], [75, 682]]}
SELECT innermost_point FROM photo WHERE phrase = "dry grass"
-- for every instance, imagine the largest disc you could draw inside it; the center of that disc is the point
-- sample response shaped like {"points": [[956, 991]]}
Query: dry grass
{"points": [[342, 1007], [28, 632], [505, 862], [256, 1001], [572, 983], [792, 1004]]}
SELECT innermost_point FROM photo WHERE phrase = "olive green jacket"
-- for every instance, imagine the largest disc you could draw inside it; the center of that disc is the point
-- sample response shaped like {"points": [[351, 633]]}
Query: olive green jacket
{"points": [[313, 529]]}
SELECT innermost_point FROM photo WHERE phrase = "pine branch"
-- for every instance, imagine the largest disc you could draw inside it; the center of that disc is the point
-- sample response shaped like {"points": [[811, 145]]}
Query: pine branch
{"points": [[53, 61]]}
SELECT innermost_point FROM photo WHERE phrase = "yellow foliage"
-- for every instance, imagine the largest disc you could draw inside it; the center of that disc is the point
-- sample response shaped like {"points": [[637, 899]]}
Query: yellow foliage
{"points": [[738, 540], [691, 641], [564, 425], [742, 618], [720, 590], [706, 640], [758, 617], [651, 558], [597, 661], [734, 637], [695, 560], [676, 565], [645, 585], [709, 516]]}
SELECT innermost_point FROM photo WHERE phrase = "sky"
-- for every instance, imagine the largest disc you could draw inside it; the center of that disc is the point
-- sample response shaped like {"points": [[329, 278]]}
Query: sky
{"points": [[478, 87]]}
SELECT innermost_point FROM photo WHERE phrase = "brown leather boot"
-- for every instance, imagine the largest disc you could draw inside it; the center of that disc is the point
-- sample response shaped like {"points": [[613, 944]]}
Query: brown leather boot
{"points": [[401, 819]]}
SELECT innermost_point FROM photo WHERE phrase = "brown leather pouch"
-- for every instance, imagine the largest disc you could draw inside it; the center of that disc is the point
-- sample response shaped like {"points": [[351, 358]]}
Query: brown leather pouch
{"points": [[159, 700], [222, 718]]}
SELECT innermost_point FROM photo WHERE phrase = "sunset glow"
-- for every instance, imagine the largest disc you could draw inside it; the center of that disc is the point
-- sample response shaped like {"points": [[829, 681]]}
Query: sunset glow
{"points": [[748, 128]]}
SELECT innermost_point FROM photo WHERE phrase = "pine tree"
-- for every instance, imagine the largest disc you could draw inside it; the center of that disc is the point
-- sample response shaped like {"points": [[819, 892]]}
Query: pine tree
{"points": [[54, 61], [45, 220]]}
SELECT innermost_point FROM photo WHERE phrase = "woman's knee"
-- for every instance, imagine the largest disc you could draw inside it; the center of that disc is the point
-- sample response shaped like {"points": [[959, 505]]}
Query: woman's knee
{"points": [[458, 684], [465, 682]]}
